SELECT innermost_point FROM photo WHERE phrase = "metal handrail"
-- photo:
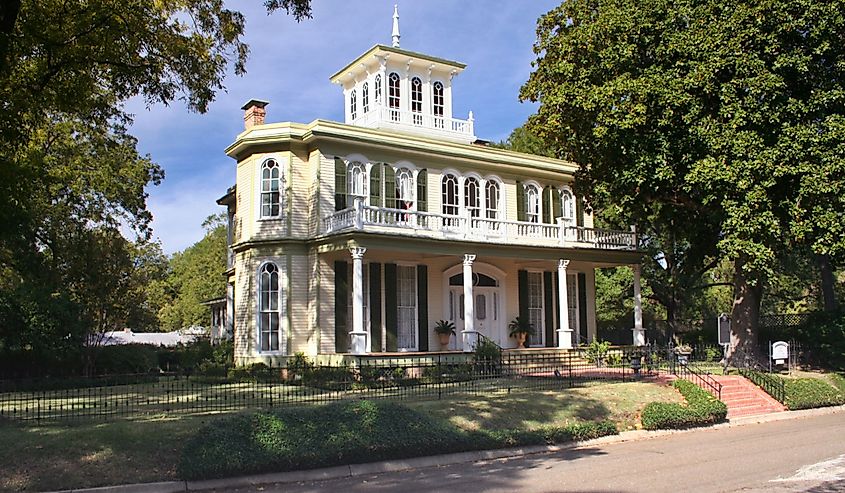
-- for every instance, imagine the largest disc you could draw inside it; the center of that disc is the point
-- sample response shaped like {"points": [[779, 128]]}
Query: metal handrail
{"points": [[772, 386], [703, 380]]}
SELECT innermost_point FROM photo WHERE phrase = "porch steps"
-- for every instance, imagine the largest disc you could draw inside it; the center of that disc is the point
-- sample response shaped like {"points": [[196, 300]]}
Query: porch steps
{"points": [[743, 398]]}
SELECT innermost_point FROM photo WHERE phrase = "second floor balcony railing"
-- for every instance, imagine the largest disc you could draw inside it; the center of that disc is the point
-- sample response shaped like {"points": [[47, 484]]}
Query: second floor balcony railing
{"points": [[472, 228]]}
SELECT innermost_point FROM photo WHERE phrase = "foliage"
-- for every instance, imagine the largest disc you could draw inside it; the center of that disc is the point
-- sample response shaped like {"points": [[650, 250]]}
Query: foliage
{"points": [[806, 393], [487, 350], [520, 325], [597, 351], [344, 433], [721, 120], [125, 359], [702, 409], [444, 327]]}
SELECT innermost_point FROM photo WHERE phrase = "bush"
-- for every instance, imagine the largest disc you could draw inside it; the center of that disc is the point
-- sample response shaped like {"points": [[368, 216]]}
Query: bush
{"points": [[596, 351], [806, 393], [125, 359], [345, 433], [701, 409]]}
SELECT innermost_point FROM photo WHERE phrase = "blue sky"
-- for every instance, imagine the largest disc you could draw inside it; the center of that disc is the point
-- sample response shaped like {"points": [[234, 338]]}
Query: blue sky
{"points": [[290, 64]]}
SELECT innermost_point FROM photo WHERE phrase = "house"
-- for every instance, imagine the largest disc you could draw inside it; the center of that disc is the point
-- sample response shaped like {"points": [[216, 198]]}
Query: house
{"points": [[356, 237]]}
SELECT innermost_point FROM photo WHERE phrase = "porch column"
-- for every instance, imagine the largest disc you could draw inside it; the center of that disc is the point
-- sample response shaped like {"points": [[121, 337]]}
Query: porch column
{"points": [[639, 333], [230, 312], [564, 333], [470, 336], [358, 336]]}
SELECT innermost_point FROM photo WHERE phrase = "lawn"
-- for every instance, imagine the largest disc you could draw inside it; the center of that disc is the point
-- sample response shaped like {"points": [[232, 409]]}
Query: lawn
{"points": [[50, 457]]}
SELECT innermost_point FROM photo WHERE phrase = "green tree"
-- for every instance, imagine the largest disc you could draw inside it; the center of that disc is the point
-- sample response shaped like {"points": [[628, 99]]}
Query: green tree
{"points": [[731, 113]]}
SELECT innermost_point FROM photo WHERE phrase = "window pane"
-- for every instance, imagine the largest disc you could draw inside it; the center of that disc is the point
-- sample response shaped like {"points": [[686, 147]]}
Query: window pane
{"points": [[480, 307]]}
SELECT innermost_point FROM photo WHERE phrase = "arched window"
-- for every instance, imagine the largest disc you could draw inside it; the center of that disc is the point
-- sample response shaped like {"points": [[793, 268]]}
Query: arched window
{"points": [[416, 100], [356, 175], [438, 100], [393, 96], [404, 188], [271, 185], [567, 205], [365, 98], [269, 307], [532, 203], [353, 104], [378, 89], [450, 193], [492, 199], [472, 196]]}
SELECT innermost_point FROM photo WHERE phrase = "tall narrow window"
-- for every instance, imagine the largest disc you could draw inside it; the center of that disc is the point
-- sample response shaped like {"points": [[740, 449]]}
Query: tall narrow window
{"points": [[393, 96], [365, 98], [269, 307], [450, 195], [532, 203], [438, 100], [472, 196], [377, 96], [353, 104], [356, 175], [567, 204], [416, 100], [535, 306], [406, 297], [404, 188], [271, 198], [492, 199]]}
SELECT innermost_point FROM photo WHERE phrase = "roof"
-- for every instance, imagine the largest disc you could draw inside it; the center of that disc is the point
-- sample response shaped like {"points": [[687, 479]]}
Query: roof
{"points": [[381, 50]]}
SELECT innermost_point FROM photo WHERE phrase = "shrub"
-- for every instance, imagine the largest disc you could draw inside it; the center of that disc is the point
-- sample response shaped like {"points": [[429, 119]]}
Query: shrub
{"points": [[596, 351], [344, 433], [805, 393], [701, 409], [125, 359]]}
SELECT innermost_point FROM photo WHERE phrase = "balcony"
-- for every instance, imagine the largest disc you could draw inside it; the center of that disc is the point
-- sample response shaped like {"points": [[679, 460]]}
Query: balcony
{"points": [[464, 228], [441, 127]]}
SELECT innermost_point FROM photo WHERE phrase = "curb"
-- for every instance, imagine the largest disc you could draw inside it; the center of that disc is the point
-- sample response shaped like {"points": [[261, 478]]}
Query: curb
{"points": [[354, 470]]}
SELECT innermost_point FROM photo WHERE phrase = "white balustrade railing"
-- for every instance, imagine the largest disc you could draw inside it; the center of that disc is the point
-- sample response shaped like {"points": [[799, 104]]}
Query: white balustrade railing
{"points": [[466, 227], [395, 116]]}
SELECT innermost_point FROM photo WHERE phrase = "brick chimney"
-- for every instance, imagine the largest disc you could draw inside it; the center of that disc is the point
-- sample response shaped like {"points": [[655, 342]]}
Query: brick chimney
{"points": [[254, 113]]}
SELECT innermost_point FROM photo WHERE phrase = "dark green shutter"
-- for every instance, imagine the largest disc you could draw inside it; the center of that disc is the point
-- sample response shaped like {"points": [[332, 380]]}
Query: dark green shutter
{"points": [[341, 294], [549, 312], [582, 304], [520, 202], [375, 307], [422, 306], [547, 205], [556, 210], [389, 187], [522, 277], [375, 186], [339, 184], [422, 191], [579, 211], [391, 306]]}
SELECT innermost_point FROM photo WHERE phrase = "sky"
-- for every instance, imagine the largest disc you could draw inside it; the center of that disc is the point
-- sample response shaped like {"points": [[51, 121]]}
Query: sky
{"points": [[290, 64]]}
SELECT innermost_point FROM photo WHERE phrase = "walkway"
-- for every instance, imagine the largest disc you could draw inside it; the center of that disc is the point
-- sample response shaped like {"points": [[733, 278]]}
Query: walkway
{"points": [[743, 398]]}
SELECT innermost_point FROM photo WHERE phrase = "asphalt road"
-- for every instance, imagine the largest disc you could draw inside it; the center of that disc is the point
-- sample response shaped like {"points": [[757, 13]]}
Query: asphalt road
{"points": [[806, 455]]}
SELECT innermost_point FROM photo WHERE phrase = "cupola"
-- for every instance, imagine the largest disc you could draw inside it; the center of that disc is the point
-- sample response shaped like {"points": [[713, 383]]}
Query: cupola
{"points": [[395, 89]]}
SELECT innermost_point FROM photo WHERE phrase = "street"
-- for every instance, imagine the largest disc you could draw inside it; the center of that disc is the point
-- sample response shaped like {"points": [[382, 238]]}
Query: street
{"points": [[805, 454]]}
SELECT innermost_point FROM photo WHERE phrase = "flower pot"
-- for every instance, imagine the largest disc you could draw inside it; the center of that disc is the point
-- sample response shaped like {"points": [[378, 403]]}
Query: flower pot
{"points": [[520, 340], [444, 340]]}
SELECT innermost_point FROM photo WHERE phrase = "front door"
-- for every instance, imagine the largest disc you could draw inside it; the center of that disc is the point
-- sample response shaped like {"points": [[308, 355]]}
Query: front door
{"points": [[486, 313]]}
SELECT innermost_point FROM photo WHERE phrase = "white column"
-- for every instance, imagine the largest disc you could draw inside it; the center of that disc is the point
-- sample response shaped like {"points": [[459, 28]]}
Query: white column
{"points": [[230, 312], [358, 336], [564, 333], [639, 333], [470, 336]]}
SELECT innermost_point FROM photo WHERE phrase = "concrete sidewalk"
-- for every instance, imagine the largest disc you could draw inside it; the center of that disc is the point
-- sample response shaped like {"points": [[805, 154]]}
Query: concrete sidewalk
{"points": [[353, 470]]}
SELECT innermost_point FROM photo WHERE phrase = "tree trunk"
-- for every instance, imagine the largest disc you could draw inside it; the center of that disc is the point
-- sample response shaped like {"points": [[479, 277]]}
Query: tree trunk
{"points": [[745, 316], [828, 283]]}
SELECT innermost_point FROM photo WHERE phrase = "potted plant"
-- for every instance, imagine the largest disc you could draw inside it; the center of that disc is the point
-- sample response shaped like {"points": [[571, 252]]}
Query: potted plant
{"points": [[683, 351], [520, 328], [444, 330]]}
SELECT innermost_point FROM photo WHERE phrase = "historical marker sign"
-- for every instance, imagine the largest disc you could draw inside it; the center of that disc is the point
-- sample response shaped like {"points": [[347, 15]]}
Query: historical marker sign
{"points": [[780, 352], [724, 323]]}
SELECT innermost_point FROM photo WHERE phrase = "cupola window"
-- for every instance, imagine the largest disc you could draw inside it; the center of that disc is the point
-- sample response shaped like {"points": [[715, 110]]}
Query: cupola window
{"points": [[393, 97], [377, 95], [416, 100], [439, 104], [365, 97], [353, 104]]}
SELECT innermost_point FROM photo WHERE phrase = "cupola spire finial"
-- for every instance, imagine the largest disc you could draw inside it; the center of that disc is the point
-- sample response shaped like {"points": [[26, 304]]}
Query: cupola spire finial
{"points": [[396, 26]]}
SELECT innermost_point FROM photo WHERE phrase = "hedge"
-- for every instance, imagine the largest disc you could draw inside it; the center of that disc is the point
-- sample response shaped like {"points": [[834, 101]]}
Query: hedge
{"points": [[345, 433], [701, 409], [806, 393]]}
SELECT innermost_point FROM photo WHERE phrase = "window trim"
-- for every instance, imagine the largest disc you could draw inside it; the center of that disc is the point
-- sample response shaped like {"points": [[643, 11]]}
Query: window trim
{"points": [[281, 311], [282, 189]]}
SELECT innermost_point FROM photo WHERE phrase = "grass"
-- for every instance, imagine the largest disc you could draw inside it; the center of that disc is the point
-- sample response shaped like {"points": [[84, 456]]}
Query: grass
{"points": [[51, 457]]}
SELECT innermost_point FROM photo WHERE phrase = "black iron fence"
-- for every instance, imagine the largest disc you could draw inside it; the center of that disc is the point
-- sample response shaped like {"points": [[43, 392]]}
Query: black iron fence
{"points": [[370, 378]]}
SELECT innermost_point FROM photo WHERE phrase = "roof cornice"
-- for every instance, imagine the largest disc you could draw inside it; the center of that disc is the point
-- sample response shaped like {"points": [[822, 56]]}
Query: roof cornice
{"points": [[381, 50]]}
